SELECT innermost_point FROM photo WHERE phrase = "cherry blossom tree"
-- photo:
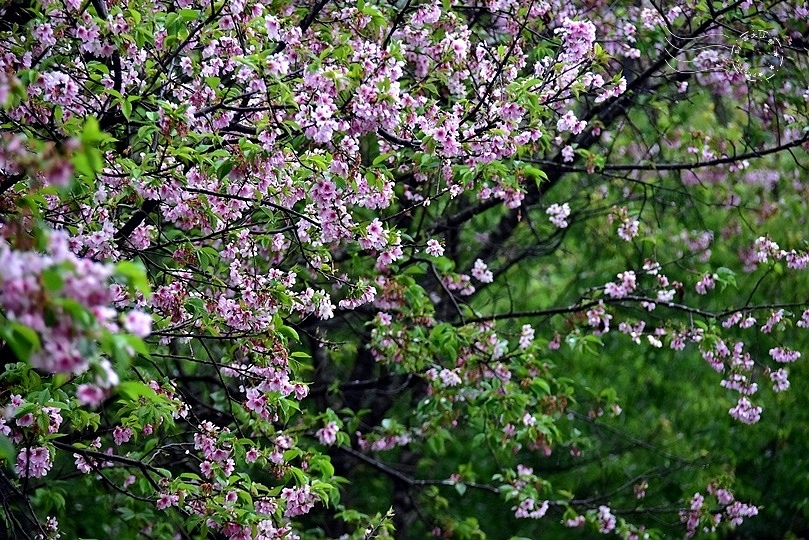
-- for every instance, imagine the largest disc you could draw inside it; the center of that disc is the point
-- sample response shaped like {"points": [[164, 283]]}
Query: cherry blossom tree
{"points": [[279, 269]]}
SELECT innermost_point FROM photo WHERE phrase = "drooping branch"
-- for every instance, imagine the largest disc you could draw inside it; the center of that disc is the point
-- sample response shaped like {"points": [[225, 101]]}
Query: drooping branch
{"points": [[756, 154], [605, 114], [408, 480], [635, 299]]}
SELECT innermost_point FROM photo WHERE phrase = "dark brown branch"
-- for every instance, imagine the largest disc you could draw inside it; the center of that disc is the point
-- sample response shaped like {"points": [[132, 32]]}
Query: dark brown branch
{"points": [[407, 480], [140, 215], [312, 15], [9, 181], [679, 166], [581, 306], [396, 22], [129, 462], [10, 495]]}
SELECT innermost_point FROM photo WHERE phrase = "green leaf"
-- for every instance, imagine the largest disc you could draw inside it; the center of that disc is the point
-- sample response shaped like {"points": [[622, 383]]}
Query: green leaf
{"points": [[7, 451], [381, 158], [443, 264], [92, 133], [52, 279], [289, 333], [87, 162], [196, 306], [324, 465], [133, 390], [23, 340], [188, 15], [726, 276], [149, 445], [134, 275], [77, 311], [126, 109], [24, 409], [223, 168], [540, 387], [137, 345], [537, 175], [42, 422]]}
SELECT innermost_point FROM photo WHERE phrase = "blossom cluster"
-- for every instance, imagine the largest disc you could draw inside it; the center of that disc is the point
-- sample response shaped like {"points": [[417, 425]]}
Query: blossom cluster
{"points": [[70, 303], [700, 518]]}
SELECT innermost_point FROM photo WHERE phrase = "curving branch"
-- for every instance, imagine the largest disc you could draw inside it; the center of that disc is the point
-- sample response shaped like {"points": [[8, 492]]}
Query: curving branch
{"points": [[408, 480], [679, 166], [636, 299]]}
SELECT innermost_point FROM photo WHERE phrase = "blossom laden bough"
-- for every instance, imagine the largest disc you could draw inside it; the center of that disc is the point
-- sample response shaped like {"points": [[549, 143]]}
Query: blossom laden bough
{"points": [[248, 249]]}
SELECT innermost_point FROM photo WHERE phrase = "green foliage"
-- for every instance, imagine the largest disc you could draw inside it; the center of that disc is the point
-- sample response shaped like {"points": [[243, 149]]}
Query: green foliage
{"points": [[401, 269]]}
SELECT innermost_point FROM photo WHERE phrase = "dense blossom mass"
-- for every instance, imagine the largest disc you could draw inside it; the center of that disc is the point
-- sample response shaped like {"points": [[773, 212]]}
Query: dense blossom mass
{"points": [[263, 264]]}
